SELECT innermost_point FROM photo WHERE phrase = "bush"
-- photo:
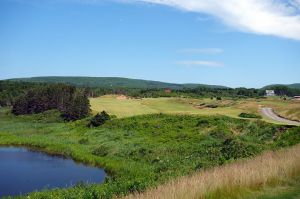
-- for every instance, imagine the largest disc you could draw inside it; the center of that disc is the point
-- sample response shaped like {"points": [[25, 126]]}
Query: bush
{"points": [[249, 115], [203, 122], [289, 138], [99, 119], [83, 141], [219, 98], [234, 149], [212, 106], [100, 151]]}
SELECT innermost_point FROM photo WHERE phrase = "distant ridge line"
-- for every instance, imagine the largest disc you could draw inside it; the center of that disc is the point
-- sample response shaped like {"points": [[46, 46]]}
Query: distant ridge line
{"points": [[112, 82]]}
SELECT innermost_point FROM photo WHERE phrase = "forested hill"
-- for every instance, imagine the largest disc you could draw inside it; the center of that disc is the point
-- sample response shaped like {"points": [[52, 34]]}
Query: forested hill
{"points": [[296, 85], [112, 82]]}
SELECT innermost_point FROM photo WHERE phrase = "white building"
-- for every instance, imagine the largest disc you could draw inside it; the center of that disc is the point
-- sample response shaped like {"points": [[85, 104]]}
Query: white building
{"points": [[270, 93], [296, 98]]}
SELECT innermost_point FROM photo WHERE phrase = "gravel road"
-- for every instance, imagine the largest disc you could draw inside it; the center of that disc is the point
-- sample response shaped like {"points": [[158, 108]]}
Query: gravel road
{"points": [[268, 112]]}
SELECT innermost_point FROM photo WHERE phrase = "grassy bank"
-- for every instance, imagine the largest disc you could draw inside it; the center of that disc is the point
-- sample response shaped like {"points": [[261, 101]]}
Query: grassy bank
{"points": [[252, 178], [143, 151]]}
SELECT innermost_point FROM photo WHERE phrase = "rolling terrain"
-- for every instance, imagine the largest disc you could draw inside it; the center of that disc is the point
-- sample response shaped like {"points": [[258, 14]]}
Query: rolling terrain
{"points": [[143, 151], [277, 172], [111, 82], [123, 106], [158, 144], [120, 82]]}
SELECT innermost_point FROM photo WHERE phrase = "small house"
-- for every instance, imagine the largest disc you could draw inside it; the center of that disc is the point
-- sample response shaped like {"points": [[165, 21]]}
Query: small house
{"points": [[167, 90], [270, 93]]}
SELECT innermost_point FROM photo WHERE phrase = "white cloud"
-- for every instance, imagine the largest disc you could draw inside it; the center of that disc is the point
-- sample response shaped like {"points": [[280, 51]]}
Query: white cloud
{"points": [[202, 50], [268, 17], [205, 63]]}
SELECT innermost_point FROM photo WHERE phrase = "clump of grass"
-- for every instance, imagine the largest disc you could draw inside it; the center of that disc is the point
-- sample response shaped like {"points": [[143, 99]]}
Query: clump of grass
{"points": [[270, 168], [83, 141], [100, 151]]}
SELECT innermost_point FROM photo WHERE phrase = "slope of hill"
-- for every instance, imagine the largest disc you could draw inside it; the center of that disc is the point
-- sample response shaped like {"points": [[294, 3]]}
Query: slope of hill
{"points": [[112, 82], [296, 85], [269, 175]]}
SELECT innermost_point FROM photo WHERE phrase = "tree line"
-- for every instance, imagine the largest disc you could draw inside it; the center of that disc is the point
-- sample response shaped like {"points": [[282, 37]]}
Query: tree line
{"points": [[72, 102], [11, 91]]}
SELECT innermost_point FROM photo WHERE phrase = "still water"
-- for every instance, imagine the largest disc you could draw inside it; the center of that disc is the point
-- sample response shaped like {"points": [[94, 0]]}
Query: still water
{"points": [[23, 171]]}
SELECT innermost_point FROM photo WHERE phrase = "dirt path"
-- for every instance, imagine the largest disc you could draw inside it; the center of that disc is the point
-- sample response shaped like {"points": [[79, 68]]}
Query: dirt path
{"points": [[268, 112]]}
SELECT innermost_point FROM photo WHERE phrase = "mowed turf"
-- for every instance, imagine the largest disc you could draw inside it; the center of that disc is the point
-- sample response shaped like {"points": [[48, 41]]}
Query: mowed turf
{"points": [[122, 107]]}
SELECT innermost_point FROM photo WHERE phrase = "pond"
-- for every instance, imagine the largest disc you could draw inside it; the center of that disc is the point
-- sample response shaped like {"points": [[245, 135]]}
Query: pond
{"points": [[23, 171]]}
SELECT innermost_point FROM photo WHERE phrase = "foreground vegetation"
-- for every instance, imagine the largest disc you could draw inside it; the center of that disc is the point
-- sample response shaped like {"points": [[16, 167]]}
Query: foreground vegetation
{"points": [[142, 151], [278, 172]]}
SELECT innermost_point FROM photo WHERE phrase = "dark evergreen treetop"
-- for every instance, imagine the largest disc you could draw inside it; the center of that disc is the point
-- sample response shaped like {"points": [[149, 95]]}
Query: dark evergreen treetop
{"points": [[71, 102]]}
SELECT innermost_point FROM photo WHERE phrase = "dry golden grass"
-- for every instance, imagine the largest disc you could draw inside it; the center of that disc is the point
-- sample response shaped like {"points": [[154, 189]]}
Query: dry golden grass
{"points": [[268, 168], [289, 109]]}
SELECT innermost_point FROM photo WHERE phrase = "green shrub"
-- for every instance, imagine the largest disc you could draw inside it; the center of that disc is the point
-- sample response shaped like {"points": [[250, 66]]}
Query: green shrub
{"points": [[219, 134], [100, 151], [249, 115], [203, 122], [212, 106], [289, 138], [83, 141], [234, 149], [99, 119]]}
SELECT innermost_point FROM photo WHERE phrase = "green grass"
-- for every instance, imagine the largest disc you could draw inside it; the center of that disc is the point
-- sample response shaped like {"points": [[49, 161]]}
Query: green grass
{"points": [[227, 107], [142, 151], [290, 190], [249, 115], [133, 107]]}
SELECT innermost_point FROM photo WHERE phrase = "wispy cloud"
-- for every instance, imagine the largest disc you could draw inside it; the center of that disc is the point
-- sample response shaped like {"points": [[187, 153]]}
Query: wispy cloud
{"points": [[268, 17], [201, 63], [201, 50]]}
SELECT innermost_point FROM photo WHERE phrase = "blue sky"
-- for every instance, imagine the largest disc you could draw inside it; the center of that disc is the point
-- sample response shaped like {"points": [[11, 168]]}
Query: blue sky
{"points": [[155, 40]]}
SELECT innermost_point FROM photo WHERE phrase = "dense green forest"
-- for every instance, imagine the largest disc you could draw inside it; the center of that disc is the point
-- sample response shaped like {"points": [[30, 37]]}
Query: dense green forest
{"points": [[112, 82], [9, 91], [73, 103], [118, 82]]}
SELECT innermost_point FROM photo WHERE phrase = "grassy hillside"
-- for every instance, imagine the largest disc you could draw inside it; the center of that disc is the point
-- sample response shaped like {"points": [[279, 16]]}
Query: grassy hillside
{"points": [[270, 175], [111, 82], [126, 107], [122, 106], [142, 151]]}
